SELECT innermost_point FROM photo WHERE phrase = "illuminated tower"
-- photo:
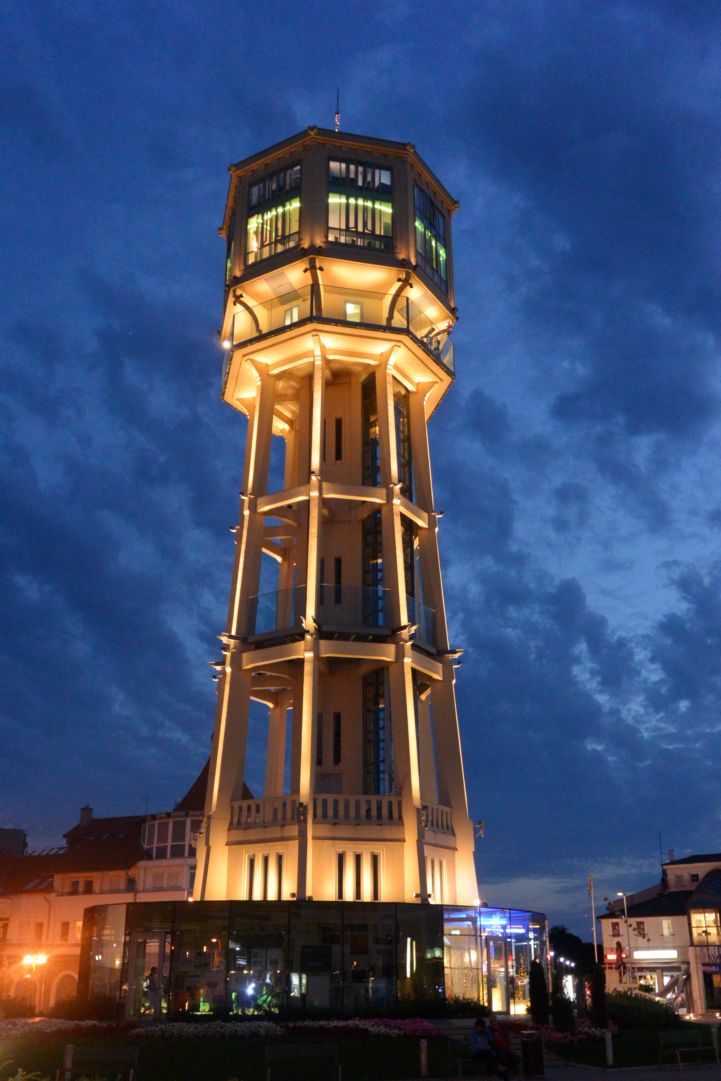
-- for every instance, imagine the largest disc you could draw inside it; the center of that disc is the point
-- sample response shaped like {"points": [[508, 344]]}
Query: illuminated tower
{"points": [[338, 310]]}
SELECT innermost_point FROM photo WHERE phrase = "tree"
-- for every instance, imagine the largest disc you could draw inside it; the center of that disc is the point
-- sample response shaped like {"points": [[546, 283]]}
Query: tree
{"points": [[538, 993]]}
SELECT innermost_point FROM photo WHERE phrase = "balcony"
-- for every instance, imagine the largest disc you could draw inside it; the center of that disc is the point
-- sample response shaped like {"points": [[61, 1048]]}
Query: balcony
{"points": [[353, 810], [342, 610], [342, 307]]}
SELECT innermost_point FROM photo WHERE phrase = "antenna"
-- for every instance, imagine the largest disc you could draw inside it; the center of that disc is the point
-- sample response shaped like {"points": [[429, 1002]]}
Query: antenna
{"points": [[337, 109]]}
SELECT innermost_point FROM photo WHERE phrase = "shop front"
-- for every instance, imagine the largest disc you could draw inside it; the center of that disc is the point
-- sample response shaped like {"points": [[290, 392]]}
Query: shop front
{"points": [[246, 957]]}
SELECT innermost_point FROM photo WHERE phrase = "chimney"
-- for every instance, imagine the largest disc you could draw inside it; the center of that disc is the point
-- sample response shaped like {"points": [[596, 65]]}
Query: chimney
{"points": [[86, 813]]}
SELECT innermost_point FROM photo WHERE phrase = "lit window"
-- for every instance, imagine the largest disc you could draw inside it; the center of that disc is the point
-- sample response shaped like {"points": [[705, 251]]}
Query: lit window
{"points": [[666, 928], [357, 212], [353, 311], [431, 238], [290, 315]]}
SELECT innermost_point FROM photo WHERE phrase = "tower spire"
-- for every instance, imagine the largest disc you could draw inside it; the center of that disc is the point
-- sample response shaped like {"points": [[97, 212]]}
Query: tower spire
{"points": [[337, 109]]}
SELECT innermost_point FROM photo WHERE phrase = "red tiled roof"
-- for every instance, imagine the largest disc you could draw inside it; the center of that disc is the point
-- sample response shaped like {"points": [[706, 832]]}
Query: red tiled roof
{"points": [[194, 798]]}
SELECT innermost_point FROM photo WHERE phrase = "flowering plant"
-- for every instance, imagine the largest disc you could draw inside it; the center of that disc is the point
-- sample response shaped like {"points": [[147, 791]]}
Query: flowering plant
{"points": [[232, 1030]]}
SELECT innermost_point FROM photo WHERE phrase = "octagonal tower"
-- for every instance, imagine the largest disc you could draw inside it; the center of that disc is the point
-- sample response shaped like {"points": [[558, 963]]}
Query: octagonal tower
{"points": [[337, 320]]}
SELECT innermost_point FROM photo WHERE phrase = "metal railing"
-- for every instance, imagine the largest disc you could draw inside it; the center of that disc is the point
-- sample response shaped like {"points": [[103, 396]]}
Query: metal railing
{"points": [[425, 620], [330, 304]]}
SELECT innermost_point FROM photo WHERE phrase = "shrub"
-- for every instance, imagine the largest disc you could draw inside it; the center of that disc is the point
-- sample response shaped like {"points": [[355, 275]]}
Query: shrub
{"points": [[631, 1010], [97, 1008], [562, 1013], [599, 1010], [538, 992]]}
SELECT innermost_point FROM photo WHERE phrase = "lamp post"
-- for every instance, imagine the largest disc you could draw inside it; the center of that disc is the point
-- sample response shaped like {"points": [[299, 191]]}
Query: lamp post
{"points": [[33, 961], [620, 893]]}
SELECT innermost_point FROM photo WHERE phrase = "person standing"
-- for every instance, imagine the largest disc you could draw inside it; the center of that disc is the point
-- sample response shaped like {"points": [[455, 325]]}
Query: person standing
{"points": [[154, 992]]}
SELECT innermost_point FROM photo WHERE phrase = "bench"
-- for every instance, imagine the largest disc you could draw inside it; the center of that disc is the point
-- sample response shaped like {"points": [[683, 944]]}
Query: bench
{"points": [[286, 1063], [680, 1044], [111, 1063]]}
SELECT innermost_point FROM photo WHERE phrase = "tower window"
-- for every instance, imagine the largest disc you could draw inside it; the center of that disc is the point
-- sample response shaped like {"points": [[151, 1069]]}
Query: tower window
{"points": [[402, 416], [266, 867], [377, 743], [273, 214], [371, 445], [340, 875], [337, 737], [279, 876], [431, 238], [353, 311], [290, 315], [357, 876], [251, 877], [337, 580], [338, 438], [319, 739], [358, 213], [375, 876]]}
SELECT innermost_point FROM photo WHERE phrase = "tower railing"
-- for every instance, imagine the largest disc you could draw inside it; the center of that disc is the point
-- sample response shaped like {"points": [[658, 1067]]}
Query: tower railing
{"points": [[334, 305], [341, 610], [275, 811]]}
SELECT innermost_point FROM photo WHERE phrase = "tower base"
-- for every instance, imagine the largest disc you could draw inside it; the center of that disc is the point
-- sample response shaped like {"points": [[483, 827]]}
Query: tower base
{"points": [[235, 958]]}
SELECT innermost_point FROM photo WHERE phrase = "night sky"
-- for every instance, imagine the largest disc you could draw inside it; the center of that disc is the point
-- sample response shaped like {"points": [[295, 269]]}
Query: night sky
{"points": [[576, 458]]}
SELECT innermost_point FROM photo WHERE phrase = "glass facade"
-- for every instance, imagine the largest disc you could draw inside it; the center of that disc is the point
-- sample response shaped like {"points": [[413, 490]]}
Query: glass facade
{"points": [[360, 210], [430, 223], [377, 740], [306, 956]]}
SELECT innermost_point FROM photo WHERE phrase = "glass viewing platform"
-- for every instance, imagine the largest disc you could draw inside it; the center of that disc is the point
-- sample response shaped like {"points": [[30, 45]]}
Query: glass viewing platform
{"points": [[335, 306], [341, 610]]}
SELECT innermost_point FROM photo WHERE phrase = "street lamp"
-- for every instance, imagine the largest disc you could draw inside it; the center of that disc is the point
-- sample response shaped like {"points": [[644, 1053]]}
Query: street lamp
{"points": [[620, 893], [33, 961]]}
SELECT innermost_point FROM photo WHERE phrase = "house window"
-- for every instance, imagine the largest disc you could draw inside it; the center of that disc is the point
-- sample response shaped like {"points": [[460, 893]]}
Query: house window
{"points": [[353, 311], [360, 210], [78, 930], [694, 878], [88, 885], [666, 928], [74, 886], [65, 931], [431, 238], [679, 880], [177, 844], [615, 928], [641, 928]]}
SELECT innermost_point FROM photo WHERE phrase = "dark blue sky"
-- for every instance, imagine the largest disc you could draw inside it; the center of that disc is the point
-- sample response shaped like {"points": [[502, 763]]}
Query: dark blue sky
{"points": [[577, 458]]}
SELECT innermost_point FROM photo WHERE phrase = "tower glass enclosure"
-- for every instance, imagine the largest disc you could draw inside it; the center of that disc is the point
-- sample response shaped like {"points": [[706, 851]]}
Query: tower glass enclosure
{"points": [[336, 328]]}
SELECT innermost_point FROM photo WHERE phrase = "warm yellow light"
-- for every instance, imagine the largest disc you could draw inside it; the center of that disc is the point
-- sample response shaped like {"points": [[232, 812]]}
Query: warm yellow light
{"points": [[35, 959]]}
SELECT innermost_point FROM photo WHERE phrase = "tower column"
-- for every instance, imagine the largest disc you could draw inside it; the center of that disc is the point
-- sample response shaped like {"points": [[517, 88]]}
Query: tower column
{"points": [[225, 778], [275, 753]]}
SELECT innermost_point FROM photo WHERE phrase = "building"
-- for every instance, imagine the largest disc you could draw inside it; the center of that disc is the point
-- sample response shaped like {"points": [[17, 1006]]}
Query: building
{"points": [[667, 938], [43, 896], [350, 880], [338, 310]]}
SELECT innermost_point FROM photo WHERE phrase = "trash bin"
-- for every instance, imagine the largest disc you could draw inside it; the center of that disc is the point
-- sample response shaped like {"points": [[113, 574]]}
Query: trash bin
{"points": [[531, 1053]]}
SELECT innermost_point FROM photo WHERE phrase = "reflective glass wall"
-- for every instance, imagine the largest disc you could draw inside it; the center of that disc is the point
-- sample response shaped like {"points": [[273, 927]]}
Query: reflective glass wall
{"points": [[342, 958]]}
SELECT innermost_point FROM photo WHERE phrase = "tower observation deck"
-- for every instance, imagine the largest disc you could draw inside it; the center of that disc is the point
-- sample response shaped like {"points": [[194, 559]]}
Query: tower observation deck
{"points": [[336, 329]]}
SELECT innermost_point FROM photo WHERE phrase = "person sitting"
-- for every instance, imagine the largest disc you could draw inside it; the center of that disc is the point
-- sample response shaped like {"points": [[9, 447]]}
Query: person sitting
{"points": [[506, 1061], [480, 1044]]}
